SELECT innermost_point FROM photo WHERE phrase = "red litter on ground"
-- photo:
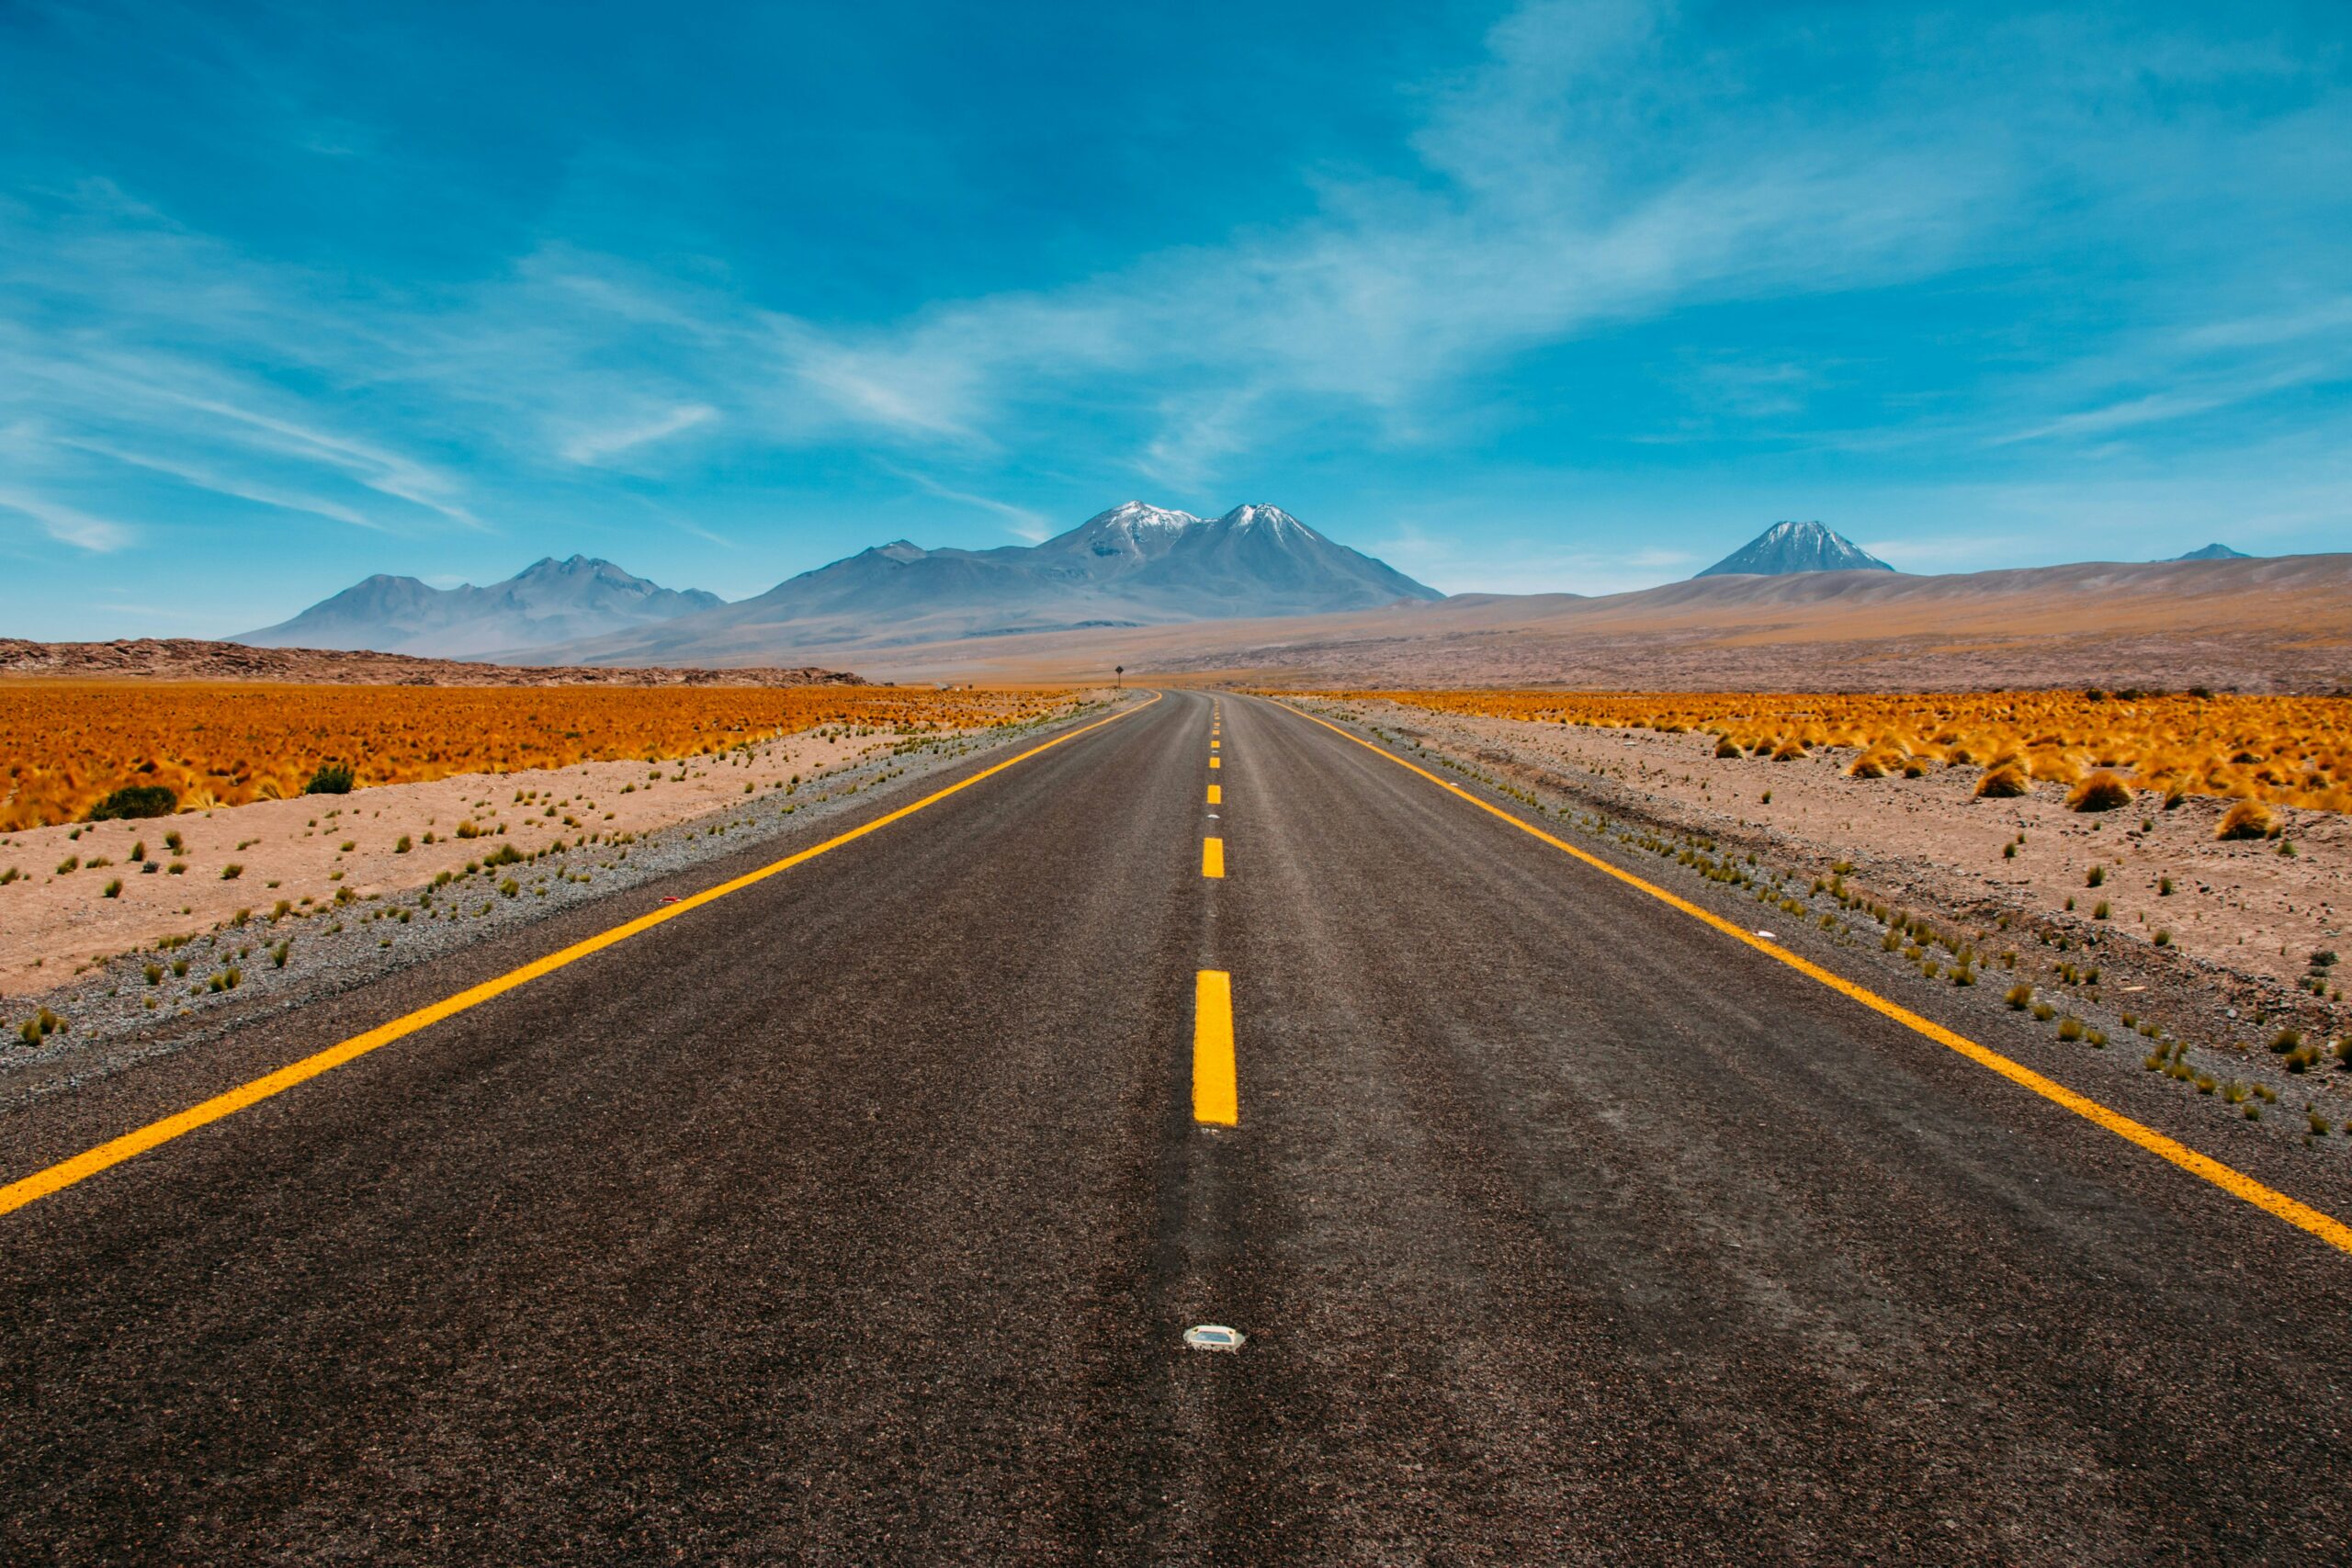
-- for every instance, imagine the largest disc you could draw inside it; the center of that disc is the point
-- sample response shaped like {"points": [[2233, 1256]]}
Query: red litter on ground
{"points": [[671, 899]]}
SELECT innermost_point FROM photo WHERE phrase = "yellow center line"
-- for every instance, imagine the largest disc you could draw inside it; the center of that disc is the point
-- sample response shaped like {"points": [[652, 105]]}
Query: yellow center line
{"points": [[1212, 857], [1217, 795], [89, 1163], [1216, 762], [2325, 1226], [1214, 744], [1217, 1098]]}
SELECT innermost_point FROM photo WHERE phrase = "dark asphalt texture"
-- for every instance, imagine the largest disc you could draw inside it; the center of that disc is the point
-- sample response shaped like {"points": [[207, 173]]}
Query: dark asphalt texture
{"points": [[857, 1216]]}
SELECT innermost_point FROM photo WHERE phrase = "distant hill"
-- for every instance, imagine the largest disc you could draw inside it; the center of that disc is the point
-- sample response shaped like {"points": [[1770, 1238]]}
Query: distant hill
{"points": [[2216, 552], [2280, 623], [548, 602], [189, 659], [1786, 547], [1134, 565]]}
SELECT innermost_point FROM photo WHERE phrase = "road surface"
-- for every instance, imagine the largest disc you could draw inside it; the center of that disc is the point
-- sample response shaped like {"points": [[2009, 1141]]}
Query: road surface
{"points": [[858, 1216]]}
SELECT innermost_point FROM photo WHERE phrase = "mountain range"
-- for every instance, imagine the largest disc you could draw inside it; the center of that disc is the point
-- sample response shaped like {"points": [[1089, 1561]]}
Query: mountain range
{"points": [[547, 601], [1134, 565]]}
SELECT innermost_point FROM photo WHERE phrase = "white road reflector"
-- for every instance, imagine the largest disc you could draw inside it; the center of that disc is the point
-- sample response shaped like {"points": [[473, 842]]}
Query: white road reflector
{"points": [[1767, 936], [1213, 1337]]}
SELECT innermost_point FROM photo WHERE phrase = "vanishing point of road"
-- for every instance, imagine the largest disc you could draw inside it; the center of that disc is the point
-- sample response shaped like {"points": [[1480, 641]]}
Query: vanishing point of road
{"points": [[857, 1211]]}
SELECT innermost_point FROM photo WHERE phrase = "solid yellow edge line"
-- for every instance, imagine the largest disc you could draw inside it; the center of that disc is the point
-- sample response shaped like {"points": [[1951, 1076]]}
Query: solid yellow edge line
{"points": [[1217, 1098], [1212, 857], [2325, 1226], [90, 1162]]}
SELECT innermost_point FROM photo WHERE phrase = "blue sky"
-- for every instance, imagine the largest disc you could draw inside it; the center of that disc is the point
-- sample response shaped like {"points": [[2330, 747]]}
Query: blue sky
{"points": [[1551, 297]]}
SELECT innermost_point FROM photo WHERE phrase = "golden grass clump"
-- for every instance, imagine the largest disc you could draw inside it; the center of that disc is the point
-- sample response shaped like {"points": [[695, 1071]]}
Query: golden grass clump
{"points": [[2004, 784], [2247, 820], [66, 746], [2102, 791], [2292, 751]]}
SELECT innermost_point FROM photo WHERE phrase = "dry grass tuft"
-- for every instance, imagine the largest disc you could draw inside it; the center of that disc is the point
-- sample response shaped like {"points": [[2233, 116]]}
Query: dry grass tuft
{"points": [[2247, 820], [2102, 791], [2003, 784]]}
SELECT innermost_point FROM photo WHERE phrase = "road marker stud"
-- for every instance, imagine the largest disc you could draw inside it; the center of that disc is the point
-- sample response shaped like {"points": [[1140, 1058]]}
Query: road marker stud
{"points": [[1216, 1096], [1212, 857], [2270, 1200], [1214, 1337], [1217, 795], [130, 1146]]}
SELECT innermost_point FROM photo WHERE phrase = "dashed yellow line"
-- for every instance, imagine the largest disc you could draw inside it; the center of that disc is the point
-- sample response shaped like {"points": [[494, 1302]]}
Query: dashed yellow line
{"points": [[1217, 795], [1216, 1096], [130, 1146], [2302, 1215], [1212, 857], [1216, 762]]}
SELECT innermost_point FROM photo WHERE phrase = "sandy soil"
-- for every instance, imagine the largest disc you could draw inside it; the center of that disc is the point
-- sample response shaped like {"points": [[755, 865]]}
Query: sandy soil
{"points": [[307, 850], [2243, 904]]}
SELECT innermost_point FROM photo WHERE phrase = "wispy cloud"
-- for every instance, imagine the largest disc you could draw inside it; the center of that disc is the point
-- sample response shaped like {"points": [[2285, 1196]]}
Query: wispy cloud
{"points": [[67, 525], [222, 484], [596, 446], [1020, 521]]}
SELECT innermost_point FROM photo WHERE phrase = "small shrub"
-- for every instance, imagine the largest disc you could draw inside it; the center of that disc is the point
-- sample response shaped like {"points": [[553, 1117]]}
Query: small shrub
{"points": [[2102, 791], [2043, 1012], [467, 830], [510, 887], [403, 847], [2070, 1028], [70, 862], [2163, 938], [2286, 1040], [231, 872], [2247, 820], [1723, 748], [2020, 998], [2095, 876], [114, 888], [2099, 911], [332, 778], [2003, 784], [135, 801]]}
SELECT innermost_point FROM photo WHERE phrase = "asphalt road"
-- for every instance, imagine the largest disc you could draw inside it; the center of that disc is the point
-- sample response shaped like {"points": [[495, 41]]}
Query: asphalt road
{"points": [[858, 1216]]}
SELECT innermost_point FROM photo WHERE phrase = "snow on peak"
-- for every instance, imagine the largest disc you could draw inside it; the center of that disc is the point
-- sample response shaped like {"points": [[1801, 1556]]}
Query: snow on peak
{"points": [[1250, 514], [1138, 517]]}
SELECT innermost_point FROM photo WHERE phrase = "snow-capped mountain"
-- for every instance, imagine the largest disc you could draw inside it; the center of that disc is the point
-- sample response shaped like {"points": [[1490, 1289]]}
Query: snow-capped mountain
{"points": [[1134, 564], [1786, 547], [547, 601]]}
